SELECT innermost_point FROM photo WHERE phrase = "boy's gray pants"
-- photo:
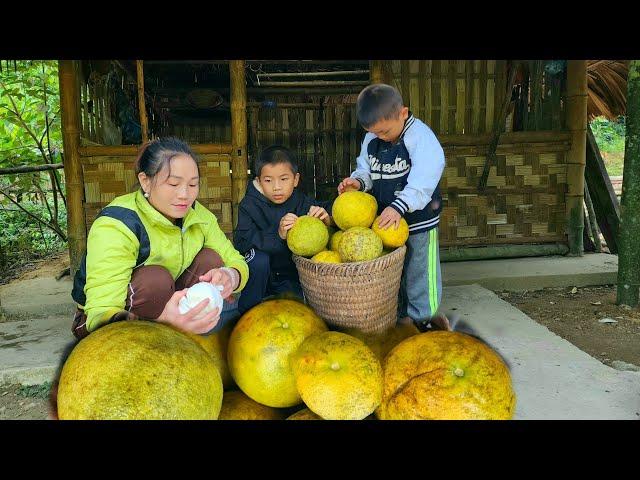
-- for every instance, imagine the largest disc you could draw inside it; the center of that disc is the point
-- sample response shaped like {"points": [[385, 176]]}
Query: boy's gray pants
{"points": [[421, 283]]}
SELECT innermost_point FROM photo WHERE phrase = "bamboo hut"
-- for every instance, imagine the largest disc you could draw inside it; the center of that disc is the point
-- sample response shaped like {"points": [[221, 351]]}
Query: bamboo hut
{"points": [[514, 135]]}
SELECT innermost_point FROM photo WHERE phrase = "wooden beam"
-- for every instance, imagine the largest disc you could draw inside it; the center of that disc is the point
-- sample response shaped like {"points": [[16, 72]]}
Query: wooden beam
{"points": [[503, 241], [74, 179], [315, 83], [455, 254], [576, 156], [602, 193], [141, 103], [238, 134], [547, 136], [132, 150]]}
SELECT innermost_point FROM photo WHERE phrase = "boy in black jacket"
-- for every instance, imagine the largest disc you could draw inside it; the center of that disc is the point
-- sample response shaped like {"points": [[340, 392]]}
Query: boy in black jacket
{"points": [[265, 215]]}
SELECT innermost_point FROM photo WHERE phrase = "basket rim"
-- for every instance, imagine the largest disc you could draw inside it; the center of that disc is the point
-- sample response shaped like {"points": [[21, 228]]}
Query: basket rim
{"points": [[390, 256]]}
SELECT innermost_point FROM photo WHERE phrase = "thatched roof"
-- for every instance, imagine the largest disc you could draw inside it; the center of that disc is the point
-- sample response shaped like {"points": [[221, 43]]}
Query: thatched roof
{"points": [[607, 82]]}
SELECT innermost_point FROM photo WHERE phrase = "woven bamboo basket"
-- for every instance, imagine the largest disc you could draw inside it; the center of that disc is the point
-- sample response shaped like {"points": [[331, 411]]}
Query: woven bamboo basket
{"points": [[362, 295]]}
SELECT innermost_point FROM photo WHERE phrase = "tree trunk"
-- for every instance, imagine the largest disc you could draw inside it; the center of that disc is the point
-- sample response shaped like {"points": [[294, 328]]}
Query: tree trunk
{"points": [[629, 246]]}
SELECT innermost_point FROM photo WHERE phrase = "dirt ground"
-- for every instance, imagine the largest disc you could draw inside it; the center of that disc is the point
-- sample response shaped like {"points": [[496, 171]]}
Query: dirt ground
{"points": [[18, 402], [573, 314], [50, 266], [576, 317]]}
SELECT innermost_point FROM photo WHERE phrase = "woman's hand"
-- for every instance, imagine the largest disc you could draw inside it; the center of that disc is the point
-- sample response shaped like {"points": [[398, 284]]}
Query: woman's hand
{"points": [[188, 321]]}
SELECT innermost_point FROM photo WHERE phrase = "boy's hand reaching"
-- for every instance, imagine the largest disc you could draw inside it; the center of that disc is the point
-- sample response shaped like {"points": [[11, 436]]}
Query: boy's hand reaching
{"points": [[225, 277], [389, 217], [286, 223], [320, 213], [347, 185]]}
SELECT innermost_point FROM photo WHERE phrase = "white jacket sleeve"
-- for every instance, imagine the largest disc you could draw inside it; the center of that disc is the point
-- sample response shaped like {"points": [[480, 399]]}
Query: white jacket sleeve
{"points": [[363, 167], [427, 165]]}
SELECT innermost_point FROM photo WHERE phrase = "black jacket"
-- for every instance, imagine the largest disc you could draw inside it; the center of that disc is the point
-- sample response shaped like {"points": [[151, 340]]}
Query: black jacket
{"points": [[258, 221]]}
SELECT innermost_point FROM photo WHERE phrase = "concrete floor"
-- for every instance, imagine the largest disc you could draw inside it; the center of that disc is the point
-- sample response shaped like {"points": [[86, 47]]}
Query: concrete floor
{"points": [[553, 379]]}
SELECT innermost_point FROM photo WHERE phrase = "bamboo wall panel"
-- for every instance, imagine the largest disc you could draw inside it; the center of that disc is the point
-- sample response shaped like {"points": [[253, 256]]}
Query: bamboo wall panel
{"points": [[464, 96], [107, 177], [524, 201], [451, 96], [207, 130]]}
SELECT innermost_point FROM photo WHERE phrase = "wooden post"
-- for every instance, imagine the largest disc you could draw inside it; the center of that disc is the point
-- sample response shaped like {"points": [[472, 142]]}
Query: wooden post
{"points": [[628, 244], [601, 191], [74, 178], [141, 103], [238, 134], [576, 156], [376, 71], [593, 222]]}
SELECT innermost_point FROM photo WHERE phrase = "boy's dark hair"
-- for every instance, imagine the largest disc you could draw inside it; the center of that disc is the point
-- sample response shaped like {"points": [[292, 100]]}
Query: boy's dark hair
{"points": [[154, 155], [377, 102], [272, 156]]}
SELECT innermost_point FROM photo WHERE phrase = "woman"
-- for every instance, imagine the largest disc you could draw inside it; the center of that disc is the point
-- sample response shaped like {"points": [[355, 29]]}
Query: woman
{"points": [[147, 247]]}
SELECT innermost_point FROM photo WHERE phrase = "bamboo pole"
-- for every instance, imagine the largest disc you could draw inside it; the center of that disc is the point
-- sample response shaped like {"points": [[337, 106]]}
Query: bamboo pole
{"points": [[593, 222], [74, 179], [498, 128], [132, 150], [316, 83], [628, 245], [238, 134], [141, 103], [576, 156], [312, 74], [501, 251], [376, 71]]}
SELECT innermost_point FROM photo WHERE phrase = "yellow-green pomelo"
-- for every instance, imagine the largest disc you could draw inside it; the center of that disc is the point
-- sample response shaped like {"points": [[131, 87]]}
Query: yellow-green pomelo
{"points": [[382, 343], [216, 345], [445, 376], [260, 346], [308, 236], [359, 244], [338, 376], [392, 237], [335, 240], [237, 406], [326, 256], [304, 414], [139, 370], [354, 209]]}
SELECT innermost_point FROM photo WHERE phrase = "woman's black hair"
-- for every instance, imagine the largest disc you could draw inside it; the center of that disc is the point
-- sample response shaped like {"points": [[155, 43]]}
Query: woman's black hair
{"points": [[154, 155]]}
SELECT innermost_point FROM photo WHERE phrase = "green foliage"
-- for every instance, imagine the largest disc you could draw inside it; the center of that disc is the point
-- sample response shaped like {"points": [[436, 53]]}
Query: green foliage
{"points": [[610, 139], [35, 391], [31, 90], [29, 103], [23, 239]]}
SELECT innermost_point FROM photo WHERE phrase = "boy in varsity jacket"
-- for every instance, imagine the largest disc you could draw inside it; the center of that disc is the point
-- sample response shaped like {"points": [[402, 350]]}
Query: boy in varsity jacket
{"points": [[400, 164]]}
